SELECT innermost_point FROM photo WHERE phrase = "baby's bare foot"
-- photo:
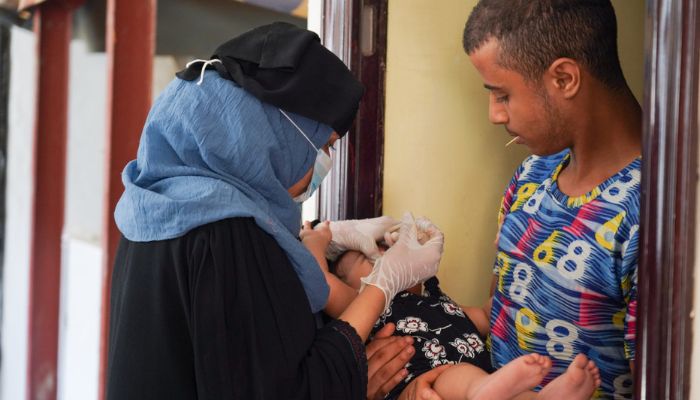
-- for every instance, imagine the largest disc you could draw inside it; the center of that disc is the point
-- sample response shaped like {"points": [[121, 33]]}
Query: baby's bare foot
{"points": [[595, 373], [578, 382], [518, 376]]}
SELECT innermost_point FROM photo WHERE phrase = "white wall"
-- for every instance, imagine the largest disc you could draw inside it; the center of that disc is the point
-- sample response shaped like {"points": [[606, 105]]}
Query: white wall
{"points": [[87, 109], [18, 192], [79, 339]]}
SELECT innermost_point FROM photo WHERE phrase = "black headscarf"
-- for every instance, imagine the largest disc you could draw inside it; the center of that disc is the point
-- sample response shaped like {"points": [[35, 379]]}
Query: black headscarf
{"points": [[287, 66]]}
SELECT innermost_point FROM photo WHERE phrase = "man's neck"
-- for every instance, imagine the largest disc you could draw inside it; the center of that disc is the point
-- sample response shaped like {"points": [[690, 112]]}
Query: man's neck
{"points": [[607, 140]]}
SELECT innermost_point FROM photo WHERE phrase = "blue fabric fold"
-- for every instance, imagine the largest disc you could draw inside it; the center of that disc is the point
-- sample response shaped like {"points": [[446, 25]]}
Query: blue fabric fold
{"points": [[213, 151]]}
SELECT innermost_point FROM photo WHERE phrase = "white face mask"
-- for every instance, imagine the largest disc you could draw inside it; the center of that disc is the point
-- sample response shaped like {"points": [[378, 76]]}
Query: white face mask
{"points": [[322, 166]]}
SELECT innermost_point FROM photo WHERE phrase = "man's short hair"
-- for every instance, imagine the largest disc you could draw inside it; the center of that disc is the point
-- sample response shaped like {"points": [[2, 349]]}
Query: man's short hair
{"points": [[532, 34]]}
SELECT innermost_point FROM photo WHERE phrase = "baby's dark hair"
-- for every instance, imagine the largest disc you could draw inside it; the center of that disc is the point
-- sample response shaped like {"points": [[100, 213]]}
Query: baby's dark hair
{"points": [[532, 34]]}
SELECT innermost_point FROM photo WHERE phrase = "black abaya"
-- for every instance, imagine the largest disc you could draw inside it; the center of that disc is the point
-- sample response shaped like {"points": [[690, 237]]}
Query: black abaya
{"points": [[219, 313]]}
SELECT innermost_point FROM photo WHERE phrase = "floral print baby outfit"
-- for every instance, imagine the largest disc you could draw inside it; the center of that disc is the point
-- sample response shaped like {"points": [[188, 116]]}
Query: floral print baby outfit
{"points": [[443, 333]]}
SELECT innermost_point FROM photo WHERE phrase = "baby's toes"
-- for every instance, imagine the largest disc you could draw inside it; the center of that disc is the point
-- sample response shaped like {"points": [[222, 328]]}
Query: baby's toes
{"points": [[547, 362]]}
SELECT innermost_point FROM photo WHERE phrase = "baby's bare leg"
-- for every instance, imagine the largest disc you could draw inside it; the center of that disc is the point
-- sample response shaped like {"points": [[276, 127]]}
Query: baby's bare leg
{"points": [[465, 381], [458, 381]]}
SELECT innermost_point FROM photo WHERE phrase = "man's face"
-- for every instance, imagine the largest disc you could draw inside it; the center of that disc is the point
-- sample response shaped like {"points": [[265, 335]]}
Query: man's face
{"points": [[524, 109]]}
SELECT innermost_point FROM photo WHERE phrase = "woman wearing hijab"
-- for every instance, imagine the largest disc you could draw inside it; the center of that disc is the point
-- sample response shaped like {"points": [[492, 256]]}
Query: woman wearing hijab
{"points": [[213, 294]]}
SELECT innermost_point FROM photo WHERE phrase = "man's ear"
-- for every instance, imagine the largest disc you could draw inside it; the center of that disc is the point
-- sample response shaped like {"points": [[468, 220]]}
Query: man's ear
{"points": [[564, 77]]}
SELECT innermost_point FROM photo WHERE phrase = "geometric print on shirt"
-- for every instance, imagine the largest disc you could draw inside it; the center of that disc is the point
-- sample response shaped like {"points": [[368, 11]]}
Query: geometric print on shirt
{"points": [[566, 272]]}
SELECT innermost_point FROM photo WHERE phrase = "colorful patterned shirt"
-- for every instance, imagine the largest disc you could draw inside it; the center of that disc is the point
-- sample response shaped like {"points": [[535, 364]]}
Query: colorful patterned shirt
{"points": [[567, 272]]}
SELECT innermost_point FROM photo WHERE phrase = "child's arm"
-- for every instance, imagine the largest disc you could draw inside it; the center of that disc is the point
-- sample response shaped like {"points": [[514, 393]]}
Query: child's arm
{"points": [[480, 317], [316, 241]]}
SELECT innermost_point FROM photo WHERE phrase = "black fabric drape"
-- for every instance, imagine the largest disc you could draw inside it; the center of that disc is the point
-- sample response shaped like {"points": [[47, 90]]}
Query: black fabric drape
{"points": [[286, 66], [219, 313]]}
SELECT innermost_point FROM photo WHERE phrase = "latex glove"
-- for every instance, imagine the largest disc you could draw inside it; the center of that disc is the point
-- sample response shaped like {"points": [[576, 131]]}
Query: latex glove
{"points": [[423, 224], [358, 234], [408, 262]]}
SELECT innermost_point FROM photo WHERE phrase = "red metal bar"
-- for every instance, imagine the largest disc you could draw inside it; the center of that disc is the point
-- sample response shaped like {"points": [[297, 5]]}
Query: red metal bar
{"points": [[130, 48], [52, 26], [366, 149]]}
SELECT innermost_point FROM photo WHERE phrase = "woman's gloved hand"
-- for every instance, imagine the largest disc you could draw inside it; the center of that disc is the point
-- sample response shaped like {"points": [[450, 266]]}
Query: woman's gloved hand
{"points": [[409, 261], [359, 234], [423, 224]]}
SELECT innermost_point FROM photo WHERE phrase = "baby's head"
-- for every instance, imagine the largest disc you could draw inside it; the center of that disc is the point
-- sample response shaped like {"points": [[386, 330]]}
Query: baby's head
{"points": [[350, 267], [353, 265]]}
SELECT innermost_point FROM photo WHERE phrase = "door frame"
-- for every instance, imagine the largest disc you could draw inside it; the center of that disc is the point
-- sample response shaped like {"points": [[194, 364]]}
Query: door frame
{"points": [[356, 31], [668, 204]]}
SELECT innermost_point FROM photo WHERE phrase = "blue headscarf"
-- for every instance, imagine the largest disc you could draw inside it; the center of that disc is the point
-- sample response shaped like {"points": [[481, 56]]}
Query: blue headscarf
{"points": [[212, 152]]}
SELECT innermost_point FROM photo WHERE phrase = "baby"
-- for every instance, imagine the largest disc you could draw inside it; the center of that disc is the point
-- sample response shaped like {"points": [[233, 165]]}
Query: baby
{"points": [[445, 333]]}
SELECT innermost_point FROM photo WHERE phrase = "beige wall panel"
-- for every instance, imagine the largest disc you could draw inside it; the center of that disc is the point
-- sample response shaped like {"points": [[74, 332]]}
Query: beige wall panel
{"points": [[630, 39], [443, 159]]}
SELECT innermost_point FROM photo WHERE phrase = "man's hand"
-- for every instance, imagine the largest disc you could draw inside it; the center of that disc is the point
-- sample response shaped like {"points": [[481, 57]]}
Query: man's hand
{"points": [[421, 387], [386, 357]]}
